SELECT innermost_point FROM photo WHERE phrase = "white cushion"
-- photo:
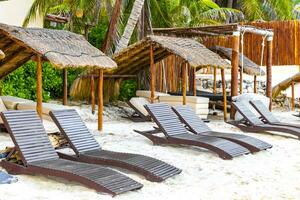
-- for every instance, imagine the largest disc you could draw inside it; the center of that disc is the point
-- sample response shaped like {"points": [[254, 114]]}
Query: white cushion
{"points": [[147, 94], [46, 107], [11, 102], [189, 99], [138, 103], [245, 98]]}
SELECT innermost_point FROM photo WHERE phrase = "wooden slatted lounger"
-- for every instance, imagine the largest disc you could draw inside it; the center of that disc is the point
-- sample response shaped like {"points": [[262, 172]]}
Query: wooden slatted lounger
{"points": [[88, 150], [252, 123], [197, 126], [39, 157], [176, 133], [268, 116]]}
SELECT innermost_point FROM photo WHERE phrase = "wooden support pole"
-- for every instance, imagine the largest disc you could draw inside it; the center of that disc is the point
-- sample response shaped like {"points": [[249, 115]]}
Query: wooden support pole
{"points": [[39, 86], [269, 70], [194, 82], [93, 94], [293, 96], [65, 86], [234, 68], [100, 100], [215, 81], [184, 76], [255, 84], [224, 94], [152, 74]]}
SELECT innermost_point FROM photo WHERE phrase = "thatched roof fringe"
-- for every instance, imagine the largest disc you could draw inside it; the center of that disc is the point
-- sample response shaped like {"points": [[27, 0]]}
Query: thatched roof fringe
{"points": [[61, 48], [250, 67]]}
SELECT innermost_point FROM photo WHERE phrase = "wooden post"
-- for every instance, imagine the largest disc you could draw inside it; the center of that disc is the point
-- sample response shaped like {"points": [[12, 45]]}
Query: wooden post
{"points": [[93, 94], [39, 86], [293, 96], [194, 82], [241, 81], [224, 94], [100, 100], [184, 75], [65, 86], [215, 81], [255, 84], [234, 68], [269, 69], [152, 74]]}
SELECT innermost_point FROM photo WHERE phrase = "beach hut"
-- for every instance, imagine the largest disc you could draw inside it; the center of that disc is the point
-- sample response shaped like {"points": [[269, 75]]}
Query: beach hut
{"points": [[153, 49], [234, 33], [246, 65], [62, 49]]}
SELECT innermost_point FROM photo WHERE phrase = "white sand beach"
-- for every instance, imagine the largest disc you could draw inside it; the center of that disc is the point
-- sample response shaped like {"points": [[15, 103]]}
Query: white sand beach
{"points": [[271, 174]]}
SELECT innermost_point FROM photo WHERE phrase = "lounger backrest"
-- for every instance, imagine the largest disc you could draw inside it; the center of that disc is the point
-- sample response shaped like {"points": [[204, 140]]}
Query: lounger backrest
{"points": [[247, 113], [264, 111], [191, 119], [166, 119], [75, 131], [27, 131]]}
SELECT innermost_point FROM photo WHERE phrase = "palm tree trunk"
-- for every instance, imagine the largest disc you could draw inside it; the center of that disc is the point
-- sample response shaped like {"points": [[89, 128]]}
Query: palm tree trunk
{"points": [[229, 3], [97, 11], [112, 29], [131, 24]]}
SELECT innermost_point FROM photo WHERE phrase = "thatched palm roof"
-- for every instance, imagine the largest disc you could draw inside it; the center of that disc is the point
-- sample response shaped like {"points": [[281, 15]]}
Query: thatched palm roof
{"points": [[61, 48], [136, 57], [2, 55], [283, 85], [250, 67]]}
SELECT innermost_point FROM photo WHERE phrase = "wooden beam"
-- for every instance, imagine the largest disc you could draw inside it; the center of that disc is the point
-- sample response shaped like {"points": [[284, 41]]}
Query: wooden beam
{"points": [[234, 68], [152, 74], [184, 76], [39, 87], [255, 84], [65, 86], [100, 100], [293, 96], [224, 94], [269, 70]]}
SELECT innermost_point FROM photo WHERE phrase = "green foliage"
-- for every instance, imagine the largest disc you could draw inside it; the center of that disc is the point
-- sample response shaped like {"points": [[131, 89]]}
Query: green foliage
{"points": [[22, 82], [97, 34], [127, 89]]}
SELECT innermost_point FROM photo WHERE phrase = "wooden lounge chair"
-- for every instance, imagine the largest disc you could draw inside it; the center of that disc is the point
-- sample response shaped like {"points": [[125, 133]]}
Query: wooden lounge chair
{"points": [[176, 133], [88, 150], [39, 157], [197, 126], [138, 115], [252, 123], [268, 116]]}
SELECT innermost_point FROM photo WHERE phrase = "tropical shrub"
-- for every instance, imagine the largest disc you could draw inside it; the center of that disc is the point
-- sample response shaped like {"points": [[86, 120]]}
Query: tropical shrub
{"points": [[127, 90], [22, 82]]}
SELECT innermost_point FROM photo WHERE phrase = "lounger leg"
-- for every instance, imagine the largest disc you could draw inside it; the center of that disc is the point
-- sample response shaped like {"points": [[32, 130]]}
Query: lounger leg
{"points": [[155, 139]]}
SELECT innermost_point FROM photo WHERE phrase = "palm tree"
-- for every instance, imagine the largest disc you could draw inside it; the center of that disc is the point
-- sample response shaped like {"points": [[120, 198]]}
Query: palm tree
{"points": [[267, 9]]}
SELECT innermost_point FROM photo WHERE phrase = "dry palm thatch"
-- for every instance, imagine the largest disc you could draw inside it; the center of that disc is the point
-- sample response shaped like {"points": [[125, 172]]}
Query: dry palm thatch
{"points": [[285, 84], [2, 55], [61, 48], [250, 67], [136, 57]]}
